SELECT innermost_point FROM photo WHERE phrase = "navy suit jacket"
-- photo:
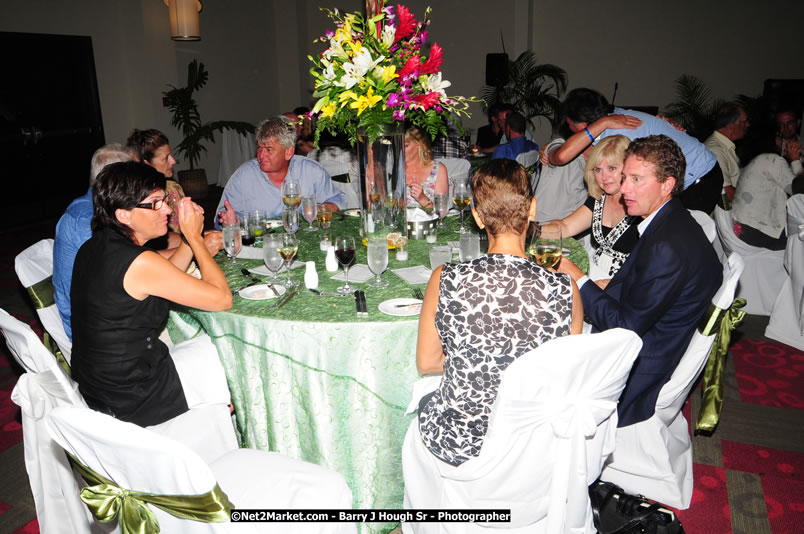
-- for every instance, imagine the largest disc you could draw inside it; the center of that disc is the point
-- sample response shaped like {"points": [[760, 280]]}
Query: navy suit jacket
{"points": [[660, 292]]}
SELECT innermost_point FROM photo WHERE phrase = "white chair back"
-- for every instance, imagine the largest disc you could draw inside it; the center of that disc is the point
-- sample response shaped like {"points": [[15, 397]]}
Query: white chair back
{"points": [[787, 317], [551, 428], [33, 265], [236, 149], [707, 224], [352, 189], [764, 271], [654, 457], [457, 169], [140, 460]]}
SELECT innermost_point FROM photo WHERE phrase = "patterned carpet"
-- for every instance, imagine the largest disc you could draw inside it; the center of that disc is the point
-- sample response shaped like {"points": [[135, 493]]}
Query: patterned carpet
{"points": [[748, 475]]}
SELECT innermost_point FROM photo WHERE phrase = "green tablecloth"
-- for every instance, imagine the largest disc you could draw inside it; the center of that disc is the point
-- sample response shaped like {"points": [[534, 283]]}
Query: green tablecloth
{"points": [[314, 381]]}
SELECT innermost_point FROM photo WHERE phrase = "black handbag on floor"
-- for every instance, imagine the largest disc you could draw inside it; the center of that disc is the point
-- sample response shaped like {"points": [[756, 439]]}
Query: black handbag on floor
{"points": [[617, 512]]}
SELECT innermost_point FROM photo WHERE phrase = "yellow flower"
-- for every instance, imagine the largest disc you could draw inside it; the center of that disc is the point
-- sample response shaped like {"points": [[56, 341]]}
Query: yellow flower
{"points": [[386, 74], [356, 48], [346, 95], [328, 110], [366, 101]]}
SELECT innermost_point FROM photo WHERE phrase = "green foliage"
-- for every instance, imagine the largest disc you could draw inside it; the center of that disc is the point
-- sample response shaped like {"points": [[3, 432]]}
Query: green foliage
{"points": [[694, 108], [533, 88], [187, 119]]}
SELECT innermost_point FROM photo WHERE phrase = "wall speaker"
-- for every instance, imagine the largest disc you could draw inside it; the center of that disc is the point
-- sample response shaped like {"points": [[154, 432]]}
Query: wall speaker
{"points": [[496, 69]]}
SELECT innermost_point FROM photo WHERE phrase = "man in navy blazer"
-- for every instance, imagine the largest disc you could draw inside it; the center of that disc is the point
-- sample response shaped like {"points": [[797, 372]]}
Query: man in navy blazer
{"points": [[665, 286]]}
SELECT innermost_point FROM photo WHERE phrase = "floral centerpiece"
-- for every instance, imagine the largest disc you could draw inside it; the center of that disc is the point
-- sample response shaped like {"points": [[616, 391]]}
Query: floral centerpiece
{"points": [[374, 74]]}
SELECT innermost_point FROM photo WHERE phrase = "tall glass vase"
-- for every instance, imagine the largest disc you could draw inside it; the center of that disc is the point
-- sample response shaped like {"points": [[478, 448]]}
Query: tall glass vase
{"points": [[382, 184]]}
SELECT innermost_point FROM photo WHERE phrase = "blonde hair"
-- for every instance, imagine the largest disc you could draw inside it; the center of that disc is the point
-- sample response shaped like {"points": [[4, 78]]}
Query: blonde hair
{"points": [[612, 149], [420, 138]]}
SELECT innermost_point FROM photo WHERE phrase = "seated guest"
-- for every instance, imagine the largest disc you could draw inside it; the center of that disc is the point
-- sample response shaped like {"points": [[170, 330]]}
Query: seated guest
{"points": [[517, 143], [73, 229], [788, 128], [614, 232], [424, 177], [152, 147], [592, 118], [339, 159], [304, 129], [257, 183], [120, 295], [560, 189], [759, 209], [731, 124], [479, 316], [665, 286], [452, 145], [488, 137]]}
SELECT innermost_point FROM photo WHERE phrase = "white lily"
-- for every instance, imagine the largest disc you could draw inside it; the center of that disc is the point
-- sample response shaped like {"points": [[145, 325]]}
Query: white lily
{"points": [[355, 72], [433, 82], [387, 37]]}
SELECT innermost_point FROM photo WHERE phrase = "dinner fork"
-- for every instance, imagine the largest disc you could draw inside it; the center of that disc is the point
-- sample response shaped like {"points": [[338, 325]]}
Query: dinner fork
{"points": [[417, 293]]}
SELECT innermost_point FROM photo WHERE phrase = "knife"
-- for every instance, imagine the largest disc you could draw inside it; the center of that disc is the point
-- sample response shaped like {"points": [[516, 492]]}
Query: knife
{"points": [[255, 280], [281, 302], [327, 293], [360, 303]]}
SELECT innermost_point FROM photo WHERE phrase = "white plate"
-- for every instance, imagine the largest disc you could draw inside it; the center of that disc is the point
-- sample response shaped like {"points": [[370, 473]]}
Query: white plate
{"points": [[390, 307], [352, 212], [273, 223], [261, 292]]}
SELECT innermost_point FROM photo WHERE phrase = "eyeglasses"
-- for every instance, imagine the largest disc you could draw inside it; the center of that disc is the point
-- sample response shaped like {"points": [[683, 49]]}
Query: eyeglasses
{"points": [[155, 205]]}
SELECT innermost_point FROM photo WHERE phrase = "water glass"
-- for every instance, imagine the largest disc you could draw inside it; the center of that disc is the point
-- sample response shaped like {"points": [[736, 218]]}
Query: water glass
{"points": [[439, 255], [309, 210], [256, 224], [273, 260], [470, 246], [377, 260], [232, 241], [290, 220], [441, 202]]}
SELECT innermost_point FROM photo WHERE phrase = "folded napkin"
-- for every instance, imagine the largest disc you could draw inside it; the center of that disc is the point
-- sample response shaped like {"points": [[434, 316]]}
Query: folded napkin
{"points": [[358, 273], [250, 253], [418, 274], [417, 214], [263, 270]]}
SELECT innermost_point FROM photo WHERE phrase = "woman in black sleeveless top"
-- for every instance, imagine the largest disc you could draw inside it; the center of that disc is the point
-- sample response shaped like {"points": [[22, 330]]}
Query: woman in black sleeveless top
{"points": [[120, 293]]}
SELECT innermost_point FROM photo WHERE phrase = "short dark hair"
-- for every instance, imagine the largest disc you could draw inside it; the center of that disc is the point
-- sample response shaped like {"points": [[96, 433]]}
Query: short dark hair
{"points": [[146, 142], [727, 114], [516, 122], [122, 185], [665, 154], [585, 105], [502, 196]]}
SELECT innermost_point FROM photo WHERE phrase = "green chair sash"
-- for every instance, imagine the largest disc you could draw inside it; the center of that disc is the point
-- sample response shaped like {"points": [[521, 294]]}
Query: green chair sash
{"points": [[41, 294], [342, 178], [107, 501], [721, 323]]}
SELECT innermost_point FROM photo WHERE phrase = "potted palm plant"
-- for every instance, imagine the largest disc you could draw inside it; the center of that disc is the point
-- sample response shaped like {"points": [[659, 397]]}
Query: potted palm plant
{"points": [[187, 119]]}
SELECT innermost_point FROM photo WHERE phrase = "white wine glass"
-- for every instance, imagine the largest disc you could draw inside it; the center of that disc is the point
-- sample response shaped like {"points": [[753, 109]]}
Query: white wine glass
{"points": [[310, 211], [273, 260], [345, 252], [546, 245], [441, 202], [288, 249], [232, 241], [291, 193], [462, 197], [290, 220], [377, 251]]}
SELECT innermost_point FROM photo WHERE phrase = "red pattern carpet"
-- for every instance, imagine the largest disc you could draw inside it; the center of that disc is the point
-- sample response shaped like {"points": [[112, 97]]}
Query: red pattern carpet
{"points": [[769, 373]]}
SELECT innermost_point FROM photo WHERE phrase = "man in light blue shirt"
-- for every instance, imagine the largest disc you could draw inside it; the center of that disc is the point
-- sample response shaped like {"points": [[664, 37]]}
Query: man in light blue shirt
{"points": [[73, 229], [517, 142], [257, 183]]}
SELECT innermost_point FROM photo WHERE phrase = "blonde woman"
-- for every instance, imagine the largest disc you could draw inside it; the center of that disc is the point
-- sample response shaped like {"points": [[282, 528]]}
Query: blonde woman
{"points": [[425, 178], [614, 233]]}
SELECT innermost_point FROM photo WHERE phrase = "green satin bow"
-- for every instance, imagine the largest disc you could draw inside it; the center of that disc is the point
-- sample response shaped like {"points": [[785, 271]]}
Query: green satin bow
{"points": [[107, 501], [41, 294], [721, 323]]}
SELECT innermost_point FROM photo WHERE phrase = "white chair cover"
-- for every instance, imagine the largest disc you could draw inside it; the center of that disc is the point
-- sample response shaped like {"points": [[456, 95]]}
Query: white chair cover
{"points": [[350, 190], [33, 265], [787, 318], [457, 168], [140, 460], [236, 149], [764, 271], [38, 391], [707, 224], [551, 428], [654, 457]]}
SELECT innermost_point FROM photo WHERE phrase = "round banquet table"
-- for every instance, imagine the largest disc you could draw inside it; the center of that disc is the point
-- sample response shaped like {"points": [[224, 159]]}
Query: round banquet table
{"points": [[314, 381]]}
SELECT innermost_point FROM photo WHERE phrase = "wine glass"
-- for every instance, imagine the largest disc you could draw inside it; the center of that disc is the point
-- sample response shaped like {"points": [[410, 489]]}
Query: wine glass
{"points": [[546, 245], [287, 250], [290, 220], [441, 203], [273, 260], [378, 260], [309, 210], [291, 193], [462, 197], [232, 241], [345, 252], [256, 224]]}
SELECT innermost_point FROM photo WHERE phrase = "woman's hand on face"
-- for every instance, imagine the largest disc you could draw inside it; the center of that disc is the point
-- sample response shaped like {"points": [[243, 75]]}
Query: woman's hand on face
{"points": [[793, 150], [191, 217]]}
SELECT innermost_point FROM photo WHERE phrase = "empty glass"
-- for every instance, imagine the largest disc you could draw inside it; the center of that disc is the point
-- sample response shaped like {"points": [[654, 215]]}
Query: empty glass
{"points": [[273, 260], [309, 210], [441, 202], [290, 220], [378, 260], [232, 241], [470, 246]]}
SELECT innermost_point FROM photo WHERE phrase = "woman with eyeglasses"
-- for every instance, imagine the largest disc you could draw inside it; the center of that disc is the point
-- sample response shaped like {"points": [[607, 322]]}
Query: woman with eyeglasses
{"points": [[121, 290]]}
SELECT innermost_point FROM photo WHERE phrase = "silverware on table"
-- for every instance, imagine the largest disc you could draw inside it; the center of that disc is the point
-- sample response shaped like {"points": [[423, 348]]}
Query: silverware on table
{"points": [[409, 304], [287, 296], [360, 303], [255, 280], [417, 293], [327, 293]]}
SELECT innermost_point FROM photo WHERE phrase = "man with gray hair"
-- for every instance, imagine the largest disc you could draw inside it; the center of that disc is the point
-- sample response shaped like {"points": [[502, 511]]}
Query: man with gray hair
{"points": [[73, 229], [257, 183], [731, 124]]}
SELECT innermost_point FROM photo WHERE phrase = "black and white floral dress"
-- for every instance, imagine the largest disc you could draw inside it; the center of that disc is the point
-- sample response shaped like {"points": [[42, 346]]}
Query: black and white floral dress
{"points": [[491, 310]]}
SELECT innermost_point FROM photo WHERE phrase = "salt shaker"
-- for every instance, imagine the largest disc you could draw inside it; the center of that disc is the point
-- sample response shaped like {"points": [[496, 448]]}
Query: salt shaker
{"points": [[310, 276], [331, 263]]}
